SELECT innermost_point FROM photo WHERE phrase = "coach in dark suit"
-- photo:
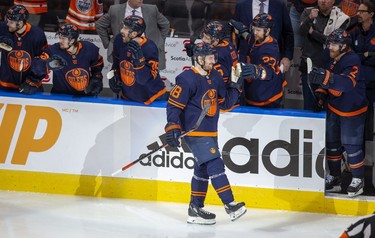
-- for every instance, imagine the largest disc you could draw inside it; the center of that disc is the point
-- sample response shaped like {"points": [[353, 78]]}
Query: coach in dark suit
{"points": [[157, 25], [282, 27]]}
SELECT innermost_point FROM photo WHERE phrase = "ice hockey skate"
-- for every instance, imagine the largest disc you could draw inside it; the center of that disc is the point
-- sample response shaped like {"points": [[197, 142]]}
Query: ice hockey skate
{"points": [[333, 184], [235, 210], [356, 187], [198, 215]]}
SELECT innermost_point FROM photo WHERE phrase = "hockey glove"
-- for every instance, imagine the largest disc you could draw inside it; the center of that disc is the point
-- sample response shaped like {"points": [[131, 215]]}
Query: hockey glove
{"points": [[321, 98], [239, 28], [95, 86], [236, 80], [31, 86], [173, 133], [114, 81], [136, 55], [320, 76], [251, 71], [56, 62], [189, 49], [6, 43]]}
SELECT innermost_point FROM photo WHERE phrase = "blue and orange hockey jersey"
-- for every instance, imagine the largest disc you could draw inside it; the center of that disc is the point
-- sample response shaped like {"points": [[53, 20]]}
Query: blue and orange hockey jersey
{"points": [[192, 93], [270, 88], [346, 92], [75, 76], [139, 84], [227, 57], [15, 65], [84, 13]]}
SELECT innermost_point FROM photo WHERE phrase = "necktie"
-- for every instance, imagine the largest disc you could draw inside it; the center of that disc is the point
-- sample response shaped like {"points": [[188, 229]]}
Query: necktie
{"points": [[133, 12], [261, 7]]}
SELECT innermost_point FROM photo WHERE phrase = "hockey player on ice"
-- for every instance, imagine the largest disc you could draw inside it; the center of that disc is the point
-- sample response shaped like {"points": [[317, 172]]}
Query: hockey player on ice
{"points": [[194, 90]]}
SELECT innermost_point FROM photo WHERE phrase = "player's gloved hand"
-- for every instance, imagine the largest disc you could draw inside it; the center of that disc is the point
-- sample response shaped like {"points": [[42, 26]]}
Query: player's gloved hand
{"points": [[239, 26], [173, 132], [136, 55], [236, 80], [114, 82], [6, 43], [95, 86], [189, 49], [56, 62], [320, 76], [31, 86], [321, 96], [251, 71]]}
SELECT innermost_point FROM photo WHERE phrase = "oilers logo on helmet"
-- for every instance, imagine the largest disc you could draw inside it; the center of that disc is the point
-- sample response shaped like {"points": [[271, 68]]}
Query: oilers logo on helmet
{"points": [[135, 23]]}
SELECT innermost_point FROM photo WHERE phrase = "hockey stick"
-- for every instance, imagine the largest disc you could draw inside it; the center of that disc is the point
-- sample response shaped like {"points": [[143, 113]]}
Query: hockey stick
{"points": [[5, 46], [21, 69], [309, 69], [196, 125], [345, 163]]}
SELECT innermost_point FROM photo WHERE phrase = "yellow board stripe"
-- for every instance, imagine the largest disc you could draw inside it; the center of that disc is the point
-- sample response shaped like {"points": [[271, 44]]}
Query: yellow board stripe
{"points": [[292, 200]]}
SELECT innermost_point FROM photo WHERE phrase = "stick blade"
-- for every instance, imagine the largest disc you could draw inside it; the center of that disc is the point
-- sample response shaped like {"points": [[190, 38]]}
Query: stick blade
{"points": [[117, 172], [309, 65], [110, 74]]}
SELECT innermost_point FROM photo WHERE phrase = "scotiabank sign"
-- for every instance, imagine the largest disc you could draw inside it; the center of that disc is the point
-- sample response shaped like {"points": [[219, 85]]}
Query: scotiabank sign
{"points": [[95, 138]]}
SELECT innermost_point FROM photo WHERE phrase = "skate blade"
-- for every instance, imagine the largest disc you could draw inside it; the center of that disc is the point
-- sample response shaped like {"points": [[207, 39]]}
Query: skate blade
{"points": [[355, 194], [335, 189], [200, 221], [237, 214]]}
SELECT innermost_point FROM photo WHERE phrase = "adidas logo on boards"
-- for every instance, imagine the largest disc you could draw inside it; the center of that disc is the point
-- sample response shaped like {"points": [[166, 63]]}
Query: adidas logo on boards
{"points": [[169, 156]]}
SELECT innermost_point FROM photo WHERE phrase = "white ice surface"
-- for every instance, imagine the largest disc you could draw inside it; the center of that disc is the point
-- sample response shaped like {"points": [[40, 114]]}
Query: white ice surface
{"points": [[30, 215]]}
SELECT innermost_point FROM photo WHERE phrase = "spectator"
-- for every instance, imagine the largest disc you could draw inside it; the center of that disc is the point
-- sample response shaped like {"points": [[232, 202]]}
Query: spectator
{"points": [[282, 30], [81, 64], [341, 81], [26, 43], [316, 25], [157, 25], [196, 89], [297, 7], [363, 37], [135, 63]]}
